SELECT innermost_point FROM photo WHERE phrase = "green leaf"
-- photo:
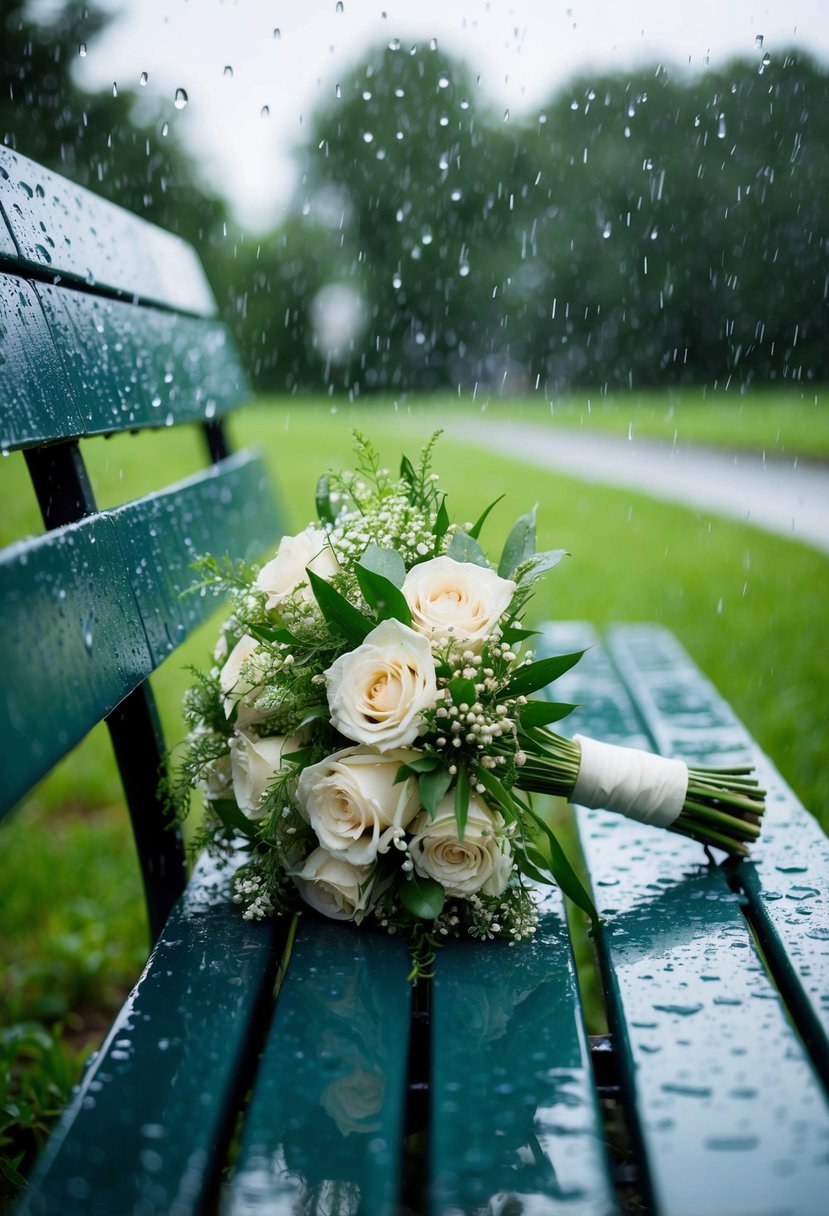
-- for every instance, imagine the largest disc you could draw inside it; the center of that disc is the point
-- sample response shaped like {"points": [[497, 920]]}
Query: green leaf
{"points": [[316, 713], [387, 599], [9, 1169], [441, 523], [520, 544], [537, 675], [462, 691], [541, 713], [263, 634], [422, 897], [565, 875], [513, 634], [541, 563], [407, 472], [475, 530], [432, 786], [464, 548], [461, 800], [421, 764], [342, 616], [386, 562], [497, 791], [234, 819], [325, 508]]}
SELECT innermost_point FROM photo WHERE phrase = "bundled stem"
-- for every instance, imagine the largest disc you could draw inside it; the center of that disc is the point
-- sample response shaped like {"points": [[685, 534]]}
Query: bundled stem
{"points": [[723, 807]]}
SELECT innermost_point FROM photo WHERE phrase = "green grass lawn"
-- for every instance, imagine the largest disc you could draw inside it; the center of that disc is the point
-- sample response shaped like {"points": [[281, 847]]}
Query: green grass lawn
{"points": [[750, 608]]}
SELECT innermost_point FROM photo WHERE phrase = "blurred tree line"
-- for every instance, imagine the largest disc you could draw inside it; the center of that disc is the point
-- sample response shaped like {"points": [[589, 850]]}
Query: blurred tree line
{"points": [[642, 228]]}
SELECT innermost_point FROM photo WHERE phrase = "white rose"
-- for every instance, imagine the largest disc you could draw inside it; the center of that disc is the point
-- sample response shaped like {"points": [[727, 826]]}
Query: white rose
{"points": [[253, 763], [332, 886], [378, 692], [238, 689], [456, 601], [287, 571], [355, 1100], [479, 862], [216, 778], [352, 803]]}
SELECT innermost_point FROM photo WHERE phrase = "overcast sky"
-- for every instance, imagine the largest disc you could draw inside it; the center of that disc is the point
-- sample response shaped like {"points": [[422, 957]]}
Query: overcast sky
{"points": [[288, 55]]}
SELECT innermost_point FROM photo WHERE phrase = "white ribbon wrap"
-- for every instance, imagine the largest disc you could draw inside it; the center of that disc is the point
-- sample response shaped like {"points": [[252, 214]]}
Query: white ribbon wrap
{"points": [[648, 788]]}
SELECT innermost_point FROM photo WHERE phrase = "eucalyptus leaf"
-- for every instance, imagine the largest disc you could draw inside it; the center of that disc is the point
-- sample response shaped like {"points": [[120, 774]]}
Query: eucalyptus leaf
{"points": [[422, 897], [541, 673], [386, 562], [421, 764], [379, 591], [520, 544], [464, 548], [342, 616], [432, 786], [540, 564]]}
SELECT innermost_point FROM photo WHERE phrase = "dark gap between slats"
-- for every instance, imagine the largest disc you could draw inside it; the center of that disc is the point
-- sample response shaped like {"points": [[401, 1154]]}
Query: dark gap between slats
{"points": [[27, 271], [778, 972], [414, 1197]]}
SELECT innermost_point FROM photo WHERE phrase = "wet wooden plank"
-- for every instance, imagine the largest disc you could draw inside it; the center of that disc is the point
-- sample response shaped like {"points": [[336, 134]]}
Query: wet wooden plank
{"points": [[727, 1111], [514, 1114], [149, 1126], [326, 1117], [62, 232]]}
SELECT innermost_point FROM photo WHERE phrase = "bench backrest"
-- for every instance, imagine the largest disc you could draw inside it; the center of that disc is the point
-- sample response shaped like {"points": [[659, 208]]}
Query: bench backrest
{"points": [[108, 324]]}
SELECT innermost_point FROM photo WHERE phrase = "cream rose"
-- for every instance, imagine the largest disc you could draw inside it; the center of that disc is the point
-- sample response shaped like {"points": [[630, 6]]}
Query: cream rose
{"points": [[253, 763], [238, 682], [478, 863], [352, 803], [378, 692], [287, 571], [456, 601], [332, 886]]}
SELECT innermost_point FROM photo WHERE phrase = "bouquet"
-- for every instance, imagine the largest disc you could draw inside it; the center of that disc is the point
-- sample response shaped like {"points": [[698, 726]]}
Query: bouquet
{"points": [[369, 734]]}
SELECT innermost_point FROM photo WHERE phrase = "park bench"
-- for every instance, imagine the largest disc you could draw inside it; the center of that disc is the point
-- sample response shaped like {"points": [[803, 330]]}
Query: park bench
{"points": [[241, 1077]]}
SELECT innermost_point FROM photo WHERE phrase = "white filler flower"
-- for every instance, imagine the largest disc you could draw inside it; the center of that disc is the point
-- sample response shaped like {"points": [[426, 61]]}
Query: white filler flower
{"points": [[353, 804], [378, 692], [456, 601], [480, 862]]}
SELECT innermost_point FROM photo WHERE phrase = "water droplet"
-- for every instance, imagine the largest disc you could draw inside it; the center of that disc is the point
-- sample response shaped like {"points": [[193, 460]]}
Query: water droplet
{"points": [[368, 137], [443, 82], [394, 45], [687, 1091], [82, 50], [764, 63], [732, 1144], [114, 89], [228, 71], [464, 103], [758, 41], [181, 99], [433, 44], [165, 128], [366, 94], [400, 92], [721, 127], [340, 6], [463, 269], [277, 33], [820, 934], [142, 79], [606, 231], [791, 869], [684, 1011], [426, 237], [265, 112], [506, 115], [396, 281], [456, 196], [338, 91]]}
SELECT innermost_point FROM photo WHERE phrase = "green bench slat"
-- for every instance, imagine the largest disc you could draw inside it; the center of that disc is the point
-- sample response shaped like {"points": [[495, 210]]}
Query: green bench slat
{"points": [[65, 232], [228, 509], [71, 647], [81, 365], [148, 1128], [91, 609], [514, 1110], [700, 1030], [34, 400], [327, 1113], [788, 897]]}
